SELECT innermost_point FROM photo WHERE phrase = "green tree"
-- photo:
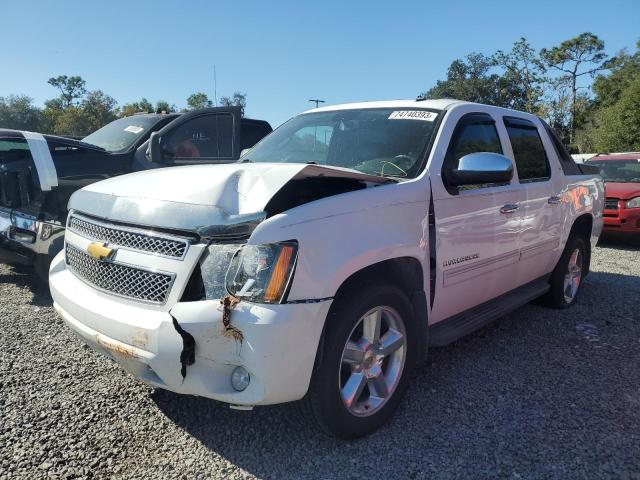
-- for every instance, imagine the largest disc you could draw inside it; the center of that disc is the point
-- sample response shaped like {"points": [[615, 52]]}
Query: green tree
{"points": [[163, 106], [618, 125], [99, 109], [71, 88], [473, 79], [73, 121], [198, 100], [524, 71], [575, 58], [624, 69], [19, 112], [237, 100], [143, 105], [52, 110]]}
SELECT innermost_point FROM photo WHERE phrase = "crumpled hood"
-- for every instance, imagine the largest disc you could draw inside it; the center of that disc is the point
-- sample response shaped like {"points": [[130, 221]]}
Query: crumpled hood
{"points": [[621, 190], [199, 196]]}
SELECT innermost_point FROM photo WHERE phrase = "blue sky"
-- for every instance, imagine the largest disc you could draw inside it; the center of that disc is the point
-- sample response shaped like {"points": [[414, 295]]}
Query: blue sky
{"points": [[281, 53]]}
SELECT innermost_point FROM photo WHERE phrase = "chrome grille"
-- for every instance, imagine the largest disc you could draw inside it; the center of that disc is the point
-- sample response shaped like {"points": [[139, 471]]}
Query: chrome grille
{"points": [[119, 279], [611, 204], [130, 238]]}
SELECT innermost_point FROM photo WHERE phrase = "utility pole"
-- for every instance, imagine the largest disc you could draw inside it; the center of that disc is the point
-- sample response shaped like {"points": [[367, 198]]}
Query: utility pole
{"points": [[215, 87], [317, 101]]}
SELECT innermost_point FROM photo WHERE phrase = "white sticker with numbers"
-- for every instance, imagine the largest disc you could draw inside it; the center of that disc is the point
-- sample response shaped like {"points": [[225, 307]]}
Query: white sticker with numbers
{"points": [[133, 129], [413, 115]]}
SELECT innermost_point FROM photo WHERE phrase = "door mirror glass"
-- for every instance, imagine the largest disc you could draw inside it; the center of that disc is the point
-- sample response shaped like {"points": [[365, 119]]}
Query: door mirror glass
{"points": [[154, 151], [480, 168]]}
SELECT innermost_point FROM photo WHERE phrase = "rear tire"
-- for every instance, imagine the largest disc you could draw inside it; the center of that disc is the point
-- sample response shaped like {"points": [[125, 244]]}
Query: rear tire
{"points": [[567, 277], [369, 353]]}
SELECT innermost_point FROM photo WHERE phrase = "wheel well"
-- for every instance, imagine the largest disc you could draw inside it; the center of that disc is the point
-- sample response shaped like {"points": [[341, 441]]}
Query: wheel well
{"points": [[405, 273], [582, 227]]}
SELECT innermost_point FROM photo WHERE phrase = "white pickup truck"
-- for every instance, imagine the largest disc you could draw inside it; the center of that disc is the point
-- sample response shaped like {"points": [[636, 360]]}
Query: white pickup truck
{"points": [[322, 265]]}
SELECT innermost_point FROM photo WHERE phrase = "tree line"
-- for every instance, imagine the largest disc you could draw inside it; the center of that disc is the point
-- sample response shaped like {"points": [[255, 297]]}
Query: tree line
{"points": [[591, 99], [77, 111]]}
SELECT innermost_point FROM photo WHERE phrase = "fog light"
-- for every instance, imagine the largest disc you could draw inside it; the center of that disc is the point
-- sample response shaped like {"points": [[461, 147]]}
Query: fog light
{"points": [[240, 379]]}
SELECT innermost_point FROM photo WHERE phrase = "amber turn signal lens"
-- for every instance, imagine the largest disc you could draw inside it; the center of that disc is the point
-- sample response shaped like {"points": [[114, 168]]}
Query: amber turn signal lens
{"points": [[279, 275]]}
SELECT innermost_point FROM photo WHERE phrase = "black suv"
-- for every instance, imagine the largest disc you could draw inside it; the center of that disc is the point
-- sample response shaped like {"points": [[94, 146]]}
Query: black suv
{"points": [[38, 173]]}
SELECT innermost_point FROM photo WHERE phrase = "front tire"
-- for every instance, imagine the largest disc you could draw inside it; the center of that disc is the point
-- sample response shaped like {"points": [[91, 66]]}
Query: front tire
{"points": [[567, 277], [369, 353]]}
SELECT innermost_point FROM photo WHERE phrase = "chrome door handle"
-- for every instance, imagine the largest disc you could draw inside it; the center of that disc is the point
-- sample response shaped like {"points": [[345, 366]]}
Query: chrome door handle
{"points": [[509, 208], [554, 200]]}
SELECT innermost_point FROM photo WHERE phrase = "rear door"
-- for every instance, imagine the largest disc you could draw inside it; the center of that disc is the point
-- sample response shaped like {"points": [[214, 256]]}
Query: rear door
{"points": [[477, 226], [209, 135], [540, 210]]}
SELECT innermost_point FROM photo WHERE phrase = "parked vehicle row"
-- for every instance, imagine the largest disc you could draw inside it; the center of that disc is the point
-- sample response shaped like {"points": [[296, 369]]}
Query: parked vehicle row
{"points": [[39, 173], [321, 266], [621, 174]]}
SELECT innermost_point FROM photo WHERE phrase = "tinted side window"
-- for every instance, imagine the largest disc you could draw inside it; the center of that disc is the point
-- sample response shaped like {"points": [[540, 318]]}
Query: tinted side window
{"points": [[16, 185], [207, 136], [252, 133], [569, 167], [528, 150], [475, 132]]}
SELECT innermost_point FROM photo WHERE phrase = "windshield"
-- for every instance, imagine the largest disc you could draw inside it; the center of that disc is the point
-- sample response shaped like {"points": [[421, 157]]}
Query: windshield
{"points": [[120, 134], [383, 141], [624, 171]]}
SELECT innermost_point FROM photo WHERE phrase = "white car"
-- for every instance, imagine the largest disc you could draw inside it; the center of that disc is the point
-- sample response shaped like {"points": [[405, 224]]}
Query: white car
{"points": [[323, 264]]}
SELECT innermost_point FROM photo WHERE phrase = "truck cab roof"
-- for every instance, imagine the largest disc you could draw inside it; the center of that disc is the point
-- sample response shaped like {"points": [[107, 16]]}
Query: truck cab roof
{"points": [[439, 104]]}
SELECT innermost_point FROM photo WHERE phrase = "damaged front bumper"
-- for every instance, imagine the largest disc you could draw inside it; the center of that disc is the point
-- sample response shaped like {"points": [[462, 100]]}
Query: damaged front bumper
{"points": [[278, 347]]}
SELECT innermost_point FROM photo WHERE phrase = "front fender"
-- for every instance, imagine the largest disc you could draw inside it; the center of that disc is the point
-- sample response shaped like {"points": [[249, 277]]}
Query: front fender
{"points": [[340, 235]]}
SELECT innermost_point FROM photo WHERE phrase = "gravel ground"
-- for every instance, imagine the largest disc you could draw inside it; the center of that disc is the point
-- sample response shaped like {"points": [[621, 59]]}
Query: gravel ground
{"points": [[538, 394]]}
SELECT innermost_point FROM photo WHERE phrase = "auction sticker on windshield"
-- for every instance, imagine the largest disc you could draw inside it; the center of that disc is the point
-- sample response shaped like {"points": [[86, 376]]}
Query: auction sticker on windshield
{"points": [[133, 129], [413, 115]]}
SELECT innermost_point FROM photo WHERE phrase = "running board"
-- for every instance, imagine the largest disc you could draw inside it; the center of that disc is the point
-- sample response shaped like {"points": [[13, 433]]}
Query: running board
{"points": [[461, 324]]}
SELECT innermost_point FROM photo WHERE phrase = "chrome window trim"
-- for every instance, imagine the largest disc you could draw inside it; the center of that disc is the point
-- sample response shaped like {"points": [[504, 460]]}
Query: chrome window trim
{"points": [[130, 229]]}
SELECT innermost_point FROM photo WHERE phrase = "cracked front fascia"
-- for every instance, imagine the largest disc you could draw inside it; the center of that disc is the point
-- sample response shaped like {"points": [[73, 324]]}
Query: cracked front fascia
{"points": [[188, 353], [228, 303]]}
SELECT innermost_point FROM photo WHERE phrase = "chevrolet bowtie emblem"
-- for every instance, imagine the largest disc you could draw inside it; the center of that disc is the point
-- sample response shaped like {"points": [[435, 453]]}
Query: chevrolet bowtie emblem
{"points": [[99, 251]]}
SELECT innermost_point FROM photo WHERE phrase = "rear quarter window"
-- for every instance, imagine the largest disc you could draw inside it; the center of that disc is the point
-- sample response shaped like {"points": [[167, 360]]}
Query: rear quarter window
{"points": [[252, 133], [568, 165], [528, 150]]}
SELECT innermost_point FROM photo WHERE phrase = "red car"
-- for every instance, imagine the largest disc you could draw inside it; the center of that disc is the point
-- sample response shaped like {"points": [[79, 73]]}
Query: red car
{"points": [[621, 173]]}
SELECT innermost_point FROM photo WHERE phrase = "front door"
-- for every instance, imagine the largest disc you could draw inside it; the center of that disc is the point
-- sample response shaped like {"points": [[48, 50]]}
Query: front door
{"points": [[209, 135], [477, 227]]}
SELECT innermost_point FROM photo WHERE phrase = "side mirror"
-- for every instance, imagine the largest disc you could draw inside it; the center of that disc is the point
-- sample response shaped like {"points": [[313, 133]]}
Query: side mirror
{"points": [[244, 150], [481, 167], [154, 151]]}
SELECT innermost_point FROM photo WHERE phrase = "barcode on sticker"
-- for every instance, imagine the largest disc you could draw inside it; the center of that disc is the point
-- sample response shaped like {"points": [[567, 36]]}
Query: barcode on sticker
{"points": [[413, 115]]}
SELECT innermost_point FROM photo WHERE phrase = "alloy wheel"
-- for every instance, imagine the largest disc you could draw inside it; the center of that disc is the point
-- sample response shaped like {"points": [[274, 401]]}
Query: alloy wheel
{"points": [[372, 361], [573, 276]]}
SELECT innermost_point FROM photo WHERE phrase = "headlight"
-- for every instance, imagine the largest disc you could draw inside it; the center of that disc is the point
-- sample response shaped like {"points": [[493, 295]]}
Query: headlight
{"points": [[634, 203], [261, 273]]}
